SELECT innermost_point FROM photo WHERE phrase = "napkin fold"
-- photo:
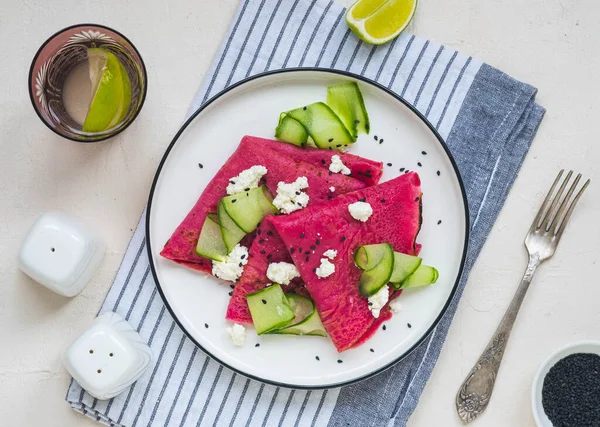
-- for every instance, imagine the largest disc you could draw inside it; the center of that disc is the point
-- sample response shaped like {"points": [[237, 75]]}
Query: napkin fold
{"points": [[488, 120]]}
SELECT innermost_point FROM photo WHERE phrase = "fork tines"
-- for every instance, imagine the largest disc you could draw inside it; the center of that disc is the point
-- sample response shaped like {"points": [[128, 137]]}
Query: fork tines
{"points": [[551, 219]]}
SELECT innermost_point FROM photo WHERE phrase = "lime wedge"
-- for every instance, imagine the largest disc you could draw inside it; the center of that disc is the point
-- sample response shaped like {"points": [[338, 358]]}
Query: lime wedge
{"points": [[379, 21], [111, 91]]}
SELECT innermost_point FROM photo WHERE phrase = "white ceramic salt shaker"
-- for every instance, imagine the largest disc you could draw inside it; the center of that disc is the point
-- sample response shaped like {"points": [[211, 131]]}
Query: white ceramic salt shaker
{"points": [[108, 357], [60, 253]]}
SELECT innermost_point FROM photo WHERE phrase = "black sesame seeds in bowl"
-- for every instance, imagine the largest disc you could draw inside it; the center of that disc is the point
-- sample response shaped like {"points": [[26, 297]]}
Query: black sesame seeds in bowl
{"points": [[566, 387]]}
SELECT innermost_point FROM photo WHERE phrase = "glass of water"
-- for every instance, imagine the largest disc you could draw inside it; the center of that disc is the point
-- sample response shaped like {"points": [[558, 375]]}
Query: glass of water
{"points": [[60, 85]]}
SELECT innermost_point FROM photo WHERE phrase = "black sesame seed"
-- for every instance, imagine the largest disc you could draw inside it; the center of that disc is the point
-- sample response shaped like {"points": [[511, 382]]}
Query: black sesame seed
{"points": [[407, 171], [375, 137], [292, 250], [367, 127], [369, 303], [402, 169], [299, 250], [299, 204], [258, 231], [231, 293], [382, 200], [206, 325], [330, 173], [261, 240], [330, 148], [264, 301], [323, 161], [384, 327], [263, 252], [417, 199], [362, 199], [302, 236], [571, 391], [232, 182], [409, 325], [318, 242], [343, 238], [232, 286], [338, 145], [329, 197], [247, 194], [233, 200], [317, 357], [313, 247], [439, 222], [247, 189], [381, 140], [330, 139], [269, 233], [389, 164], [372, 351], [356, 122], [297, 193], [257, 345], [315, 270], [200, 165], [269, 256], [240, 264], [340, 361], [304, 108], [306, 259], [419, 164], [438, 173]]}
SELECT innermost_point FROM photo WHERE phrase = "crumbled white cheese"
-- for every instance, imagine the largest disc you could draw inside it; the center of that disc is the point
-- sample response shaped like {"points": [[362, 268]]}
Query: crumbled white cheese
{"points": [[337, 166], [248, 178], [378, 301], [395, 306], [332, 189], [331, 253], [290, 196], [233, 266], [282, 272], [360, 211], [237, 333], [326, 268]]}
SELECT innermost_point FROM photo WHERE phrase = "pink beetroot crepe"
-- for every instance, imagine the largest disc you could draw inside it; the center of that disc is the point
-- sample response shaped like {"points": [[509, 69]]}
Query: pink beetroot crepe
{"points": [[396, 219]]}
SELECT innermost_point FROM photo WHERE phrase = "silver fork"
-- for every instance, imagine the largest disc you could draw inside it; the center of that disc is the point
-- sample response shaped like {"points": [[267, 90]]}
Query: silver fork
{"points": [[541, 242]]}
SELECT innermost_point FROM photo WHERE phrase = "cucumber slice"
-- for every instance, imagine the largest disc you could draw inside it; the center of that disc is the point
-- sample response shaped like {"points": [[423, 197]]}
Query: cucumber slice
{"points": [[347, 102], [368, 256], [404, 266], [323, 125], [248, 208], [232, 234], [270, 309], [210, 243], [379, 266], [425, 275], [290, 130], [306, 318]]}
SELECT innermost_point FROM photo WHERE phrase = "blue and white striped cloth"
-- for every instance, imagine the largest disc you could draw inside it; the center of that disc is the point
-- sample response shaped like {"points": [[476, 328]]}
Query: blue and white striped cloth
{"points": [[488, 120]]}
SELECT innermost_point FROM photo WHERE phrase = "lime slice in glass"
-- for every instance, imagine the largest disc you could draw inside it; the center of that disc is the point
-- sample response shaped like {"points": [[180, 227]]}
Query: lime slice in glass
{"points": [[379, 21], [111, 91]]}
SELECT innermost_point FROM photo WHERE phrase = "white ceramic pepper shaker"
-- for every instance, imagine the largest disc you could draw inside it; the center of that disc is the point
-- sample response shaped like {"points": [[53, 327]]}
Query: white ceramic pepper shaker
{"points": [[108, 357]]}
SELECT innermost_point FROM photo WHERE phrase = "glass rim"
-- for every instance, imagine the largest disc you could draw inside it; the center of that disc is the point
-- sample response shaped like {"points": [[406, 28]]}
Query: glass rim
{"points": [[31, 72]]}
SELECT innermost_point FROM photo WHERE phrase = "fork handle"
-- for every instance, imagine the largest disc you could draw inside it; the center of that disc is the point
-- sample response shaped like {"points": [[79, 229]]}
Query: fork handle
{"points": [[475, 392]]}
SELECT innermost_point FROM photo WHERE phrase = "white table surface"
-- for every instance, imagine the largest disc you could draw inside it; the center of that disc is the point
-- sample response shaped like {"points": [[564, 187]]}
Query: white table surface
{"points": [[551, 44]]}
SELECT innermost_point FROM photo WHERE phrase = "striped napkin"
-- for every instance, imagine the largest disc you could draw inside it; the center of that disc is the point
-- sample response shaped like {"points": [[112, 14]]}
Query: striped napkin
{"points": [[488, 120]]}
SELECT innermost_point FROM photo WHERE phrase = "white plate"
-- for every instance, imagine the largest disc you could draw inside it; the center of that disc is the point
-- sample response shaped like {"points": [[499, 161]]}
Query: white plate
{"points": [[252, 107], [538, 382]]}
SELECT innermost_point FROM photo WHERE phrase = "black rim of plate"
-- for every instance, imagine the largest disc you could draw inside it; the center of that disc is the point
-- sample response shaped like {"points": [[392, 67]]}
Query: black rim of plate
{"points": [[32, 97], [399, 99]]}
